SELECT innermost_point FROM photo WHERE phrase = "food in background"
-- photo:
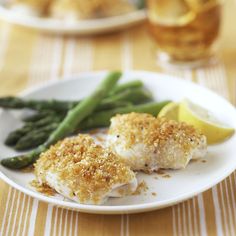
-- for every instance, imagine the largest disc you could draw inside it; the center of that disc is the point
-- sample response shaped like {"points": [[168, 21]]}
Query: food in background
{"points": [[73, 9]]}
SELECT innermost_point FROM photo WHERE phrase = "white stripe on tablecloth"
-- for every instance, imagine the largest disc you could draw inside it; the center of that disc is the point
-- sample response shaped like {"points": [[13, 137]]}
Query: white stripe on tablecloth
{"points": [[54, 233], [202, 218], [4, 40], [84, 55], [10, 212], [32, 219], [6, 211], [217, 212], [21, 214], [126, 60], [71, 223], [69, 56], [48, 222], [188, 75], [223, 208], [229, 208], [26, 215], [56, 58], [76, 223], [13, 226], [232, 196]]}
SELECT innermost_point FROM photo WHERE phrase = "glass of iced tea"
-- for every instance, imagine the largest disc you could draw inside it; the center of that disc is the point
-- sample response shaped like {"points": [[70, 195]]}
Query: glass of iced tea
{"points": [[185, 31]]}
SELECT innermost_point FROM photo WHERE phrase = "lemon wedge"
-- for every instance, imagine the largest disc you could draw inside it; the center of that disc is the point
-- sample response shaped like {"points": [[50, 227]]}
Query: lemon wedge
{"points": [[170, 111], [204, 122]]}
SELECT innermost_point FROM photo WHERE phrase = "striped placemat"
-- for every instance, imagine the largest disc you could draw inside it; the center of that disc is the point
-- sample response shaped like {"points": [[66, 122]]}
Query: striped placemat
{"points": [[28, 59]]}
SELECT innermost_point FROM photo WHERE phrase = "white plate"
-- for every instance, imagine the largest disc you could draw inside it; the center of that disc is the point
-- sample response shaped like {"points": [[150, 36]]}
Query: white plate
{"points": [[183, 184], [82, 27]]}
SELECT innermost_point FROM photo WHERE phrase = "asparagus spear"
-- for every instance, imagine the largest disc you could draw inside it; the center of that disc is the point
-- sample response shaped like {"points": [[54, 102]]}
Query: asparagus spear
{"points": [[57, 105], [118, 100], [40, 115], [50, 104], [14, 136], [134, 96], [128, 85], [44, 122], [35, 137], [102, 119], [68, 125]]}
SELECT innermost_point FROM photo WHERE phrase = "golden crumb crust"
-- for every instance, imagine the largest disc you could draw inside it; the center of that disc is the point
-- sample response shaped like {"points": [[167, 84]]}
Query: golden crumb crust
{"points": [[86, 168], [153, 132]]}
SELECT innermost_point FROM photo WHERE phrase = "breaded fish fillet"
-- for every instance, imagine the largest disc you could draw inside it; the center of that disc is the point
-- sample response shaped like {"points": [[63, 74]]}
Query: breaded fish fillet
{"points": [[85, 172], [148, 143]]}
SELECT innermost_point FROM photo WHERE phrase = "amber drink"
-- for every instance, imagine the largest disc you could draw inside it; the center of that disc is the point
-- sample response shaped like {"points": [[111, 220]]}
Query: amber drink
{"points": [[185, 30]]}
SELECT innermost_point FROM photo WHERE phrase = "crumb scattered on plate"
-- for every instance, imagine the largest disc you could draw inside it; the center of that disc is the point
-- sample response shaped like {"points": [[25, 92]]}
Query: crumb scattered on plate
{"points": [[142, 187], [166, 176], [43, 188]]}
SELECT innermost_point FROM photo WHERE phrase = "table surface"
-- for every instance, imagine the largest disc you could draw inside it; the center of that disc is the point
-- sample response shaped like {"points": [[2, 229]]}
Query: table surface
{"points": [[28, 58]]}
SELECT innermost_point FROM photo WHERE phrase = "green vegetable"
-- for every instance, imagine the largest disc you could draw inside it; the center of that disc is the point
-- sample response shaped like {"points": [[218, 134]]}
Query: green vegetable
{"points": [[68, 125], [134, 84], [51, 105], [35, 137], [14, 136], [102, 119], [40, 115]]}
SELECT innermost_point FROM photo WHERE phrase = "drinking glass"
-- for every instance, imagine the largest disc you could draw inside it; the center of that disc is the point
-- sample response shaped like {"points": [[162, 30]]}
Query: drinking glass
{"points": [[185, 31]]}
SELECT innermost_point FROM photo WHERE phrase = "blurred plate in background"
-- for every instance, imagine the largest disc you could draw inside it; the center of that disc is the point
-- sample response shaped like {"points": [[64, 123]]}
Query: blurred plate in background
{"points": [[82, 27]]}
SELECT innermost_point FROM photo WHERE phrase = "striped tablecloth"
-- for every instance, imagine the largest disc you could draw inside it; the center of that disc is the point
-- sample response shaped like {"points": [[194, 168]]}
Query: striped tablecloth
{"points": [[28, 58]]}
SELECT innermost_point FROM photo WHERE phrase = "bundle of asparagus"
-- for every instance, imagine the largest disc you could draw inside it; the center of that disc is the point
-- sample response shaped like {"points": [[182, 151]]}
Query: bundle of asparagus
{"points": [[56, 119]]}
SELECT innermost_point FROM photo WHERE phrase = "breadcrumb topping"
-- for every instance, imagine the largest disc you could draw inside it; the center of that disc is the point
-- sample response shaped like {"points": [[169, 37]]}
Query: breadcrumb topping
{"points": [[148, 143], [154, 132], [43, 188], [86, 168], [142, 188]]}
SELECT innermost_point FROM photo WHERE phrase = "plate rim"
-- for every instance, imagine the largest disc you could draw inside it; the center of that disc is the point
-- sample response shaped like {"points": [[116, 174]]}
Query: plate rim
{"points": [[101, 209], [80, 27]]}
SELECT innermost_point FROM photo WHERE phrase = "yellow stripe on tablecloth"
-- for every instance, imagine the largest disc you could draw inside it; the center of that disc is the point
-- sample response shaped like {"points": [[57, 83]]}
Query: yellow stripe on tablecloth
{"points": [[14, 72], [143, 49], [107, 52]]}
